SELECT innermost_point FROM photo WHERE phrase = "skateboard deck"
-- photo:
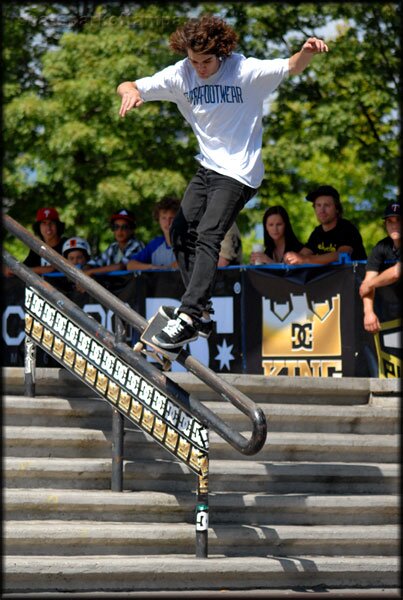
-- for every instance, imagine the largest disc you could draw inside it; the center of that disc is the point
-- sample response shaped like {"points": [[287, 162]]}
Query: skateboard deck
{"points": [[162, 355]]}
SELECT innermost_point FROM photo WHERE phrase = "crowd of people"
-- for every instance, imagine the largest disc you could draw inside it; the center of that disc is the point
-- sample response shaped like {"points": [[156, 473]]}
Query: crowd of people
{"points": [[332, 237]]}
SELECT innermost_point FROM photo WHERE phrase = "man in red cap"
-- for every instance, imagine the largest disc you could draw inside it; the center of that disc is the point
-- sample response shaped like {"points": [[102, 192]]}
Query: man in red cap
{"points": [[50, 229]]}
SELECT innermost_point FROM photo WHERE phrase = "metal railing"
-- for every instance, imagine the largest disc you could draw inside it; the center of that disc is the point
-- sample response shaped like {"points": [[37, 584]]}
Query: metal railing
{"points": [[225, 390]]}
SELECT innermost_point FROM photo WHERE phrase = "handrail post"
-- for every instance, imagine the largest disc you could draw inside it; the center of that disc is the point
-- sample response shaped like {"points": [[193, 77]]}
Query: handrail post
{"points": [[202, 517], [117, 428], [29, 367]]}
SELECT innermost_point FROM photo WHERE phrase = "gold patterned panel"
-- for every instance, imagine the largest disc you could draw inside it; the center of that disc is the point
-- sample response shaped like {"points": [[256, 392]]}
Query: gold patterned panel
{"points": [[124, 401], [90, 373], [28, 323], [47, 339], [203, 484], [136, 409], [58, 347], [37, 331], [147, 420], [69, 355], [79, 366], [102, 382], [113, 393], [199, 461], [171, 439], [203, 464], [159, 429], [183, 448]]}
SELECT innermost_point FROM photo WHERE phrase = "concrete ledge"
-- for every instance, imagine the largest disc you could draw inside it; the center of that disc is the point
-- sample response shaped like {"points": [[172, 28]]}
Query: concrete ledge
{"points": [[81, 573], [60, 382]]}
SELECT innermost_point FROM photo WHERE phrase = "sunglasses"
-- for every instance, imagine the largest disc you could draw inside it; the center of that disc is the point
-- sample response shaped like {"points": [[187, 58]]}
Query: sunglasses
{"points": [[116, 227]]}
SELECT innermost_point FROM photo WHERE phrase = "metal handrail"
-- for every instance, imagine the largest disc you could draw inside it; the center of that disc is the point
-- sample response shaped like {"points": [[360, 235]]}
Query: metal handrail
{"points": [[127, 314]]}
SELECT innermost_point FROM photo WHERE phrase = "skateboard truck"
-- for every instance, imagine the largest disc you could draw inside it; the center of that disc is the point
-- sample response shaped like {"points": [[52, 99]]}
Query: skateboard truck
{"points": [[163, 356]]}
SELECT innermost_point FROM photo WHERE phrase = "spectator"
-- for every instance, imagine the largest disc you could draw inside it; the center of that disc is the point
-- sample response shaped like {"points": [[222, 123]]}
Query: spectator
{"points": [[50, 229], [231, 248], [334, 234], [221, 95], [116, 256], [279, 237], [158, 253], [78, 252], [383, 269]]}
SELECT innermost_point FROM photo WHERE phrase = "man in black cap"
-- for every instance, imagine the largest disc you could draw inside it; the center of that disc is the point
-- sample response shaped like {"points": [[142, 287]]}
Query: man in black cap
{"points": [[383, 269], [333, 236]]}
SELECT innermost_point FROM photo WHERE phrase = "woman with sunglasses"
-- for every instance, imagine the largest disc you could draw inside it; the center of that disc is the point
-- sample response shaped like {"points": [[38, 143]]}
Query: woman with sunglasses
{"points": [[116, 256]]}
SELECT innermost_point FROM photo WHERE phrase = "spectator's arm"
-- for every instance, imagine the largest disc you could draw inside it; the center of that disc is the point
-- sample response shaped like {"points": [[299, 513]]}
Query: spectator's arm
{"points": [[387, 277], [371, 321], [105, 269]]}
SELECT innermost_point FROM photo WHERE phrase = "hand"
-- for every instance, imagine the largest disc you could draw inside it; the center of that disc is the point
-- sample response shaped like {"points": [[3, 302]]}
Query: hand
{"points": [[293, 258], [130, 99], [371, 323], [259, 258], [314, 45]]}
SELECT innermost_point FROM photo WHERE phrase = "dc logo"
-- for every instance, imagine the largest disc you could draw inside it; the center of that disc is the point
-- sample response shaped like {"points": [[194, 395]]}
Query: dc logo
{"points": [[301, 336]]}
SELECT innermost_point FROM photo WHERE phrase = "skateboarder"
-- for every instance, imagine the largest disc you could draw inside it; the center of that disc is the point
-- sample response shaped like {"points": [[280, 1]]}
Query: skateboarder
{"points": [[221, 95]]}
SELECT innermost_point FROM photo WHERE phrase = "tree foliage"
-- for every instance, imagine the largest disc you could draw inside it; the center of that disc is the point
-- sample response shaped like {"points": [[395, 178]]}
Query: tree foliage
{"points": [[67, 147]]}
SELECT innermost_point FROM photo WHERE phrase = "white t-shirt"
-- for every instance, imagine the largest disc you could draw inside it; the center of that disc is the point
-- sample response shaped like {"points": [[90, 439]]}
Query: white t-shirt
{"points": [[225, 110]]}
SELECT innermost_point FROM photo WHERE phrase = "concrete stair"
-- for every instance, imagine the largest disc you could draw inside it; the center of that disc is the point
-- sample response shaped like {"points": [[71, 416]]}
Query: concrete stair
{"points": [[318, 507]]}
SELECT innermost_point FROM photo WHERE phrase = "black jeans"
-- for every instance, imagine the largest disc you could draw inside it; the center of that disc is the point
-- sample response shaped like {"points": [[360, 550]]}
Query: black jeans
{"points": [[209, 207]]}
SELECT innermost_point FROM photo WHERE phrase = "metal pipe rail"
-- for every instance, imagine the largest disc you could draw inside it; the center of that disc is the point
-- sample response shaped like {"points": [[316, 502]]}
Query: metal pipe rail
{"points": [[226, 391]]}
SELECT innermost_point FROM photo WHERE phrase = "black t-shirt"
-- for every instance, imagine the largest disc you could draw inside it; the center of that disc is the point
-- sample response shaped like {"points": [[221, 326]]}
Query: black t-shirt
{"points": [[387, 298], [34, 260], [344, 234], [383, 255]]}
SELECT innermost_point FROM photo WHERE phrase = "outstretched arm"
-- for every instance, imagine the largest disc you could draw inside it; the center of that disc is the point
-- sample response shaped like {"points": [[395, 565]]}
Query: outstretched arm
{"points": [[299, 61], [130, 95]]}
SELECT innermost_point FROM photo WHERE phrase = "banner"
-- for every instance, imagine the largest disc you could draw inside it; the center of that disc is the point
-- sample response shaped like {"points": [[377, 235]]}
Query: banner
{"points": [[222, 352], [303, 322]]}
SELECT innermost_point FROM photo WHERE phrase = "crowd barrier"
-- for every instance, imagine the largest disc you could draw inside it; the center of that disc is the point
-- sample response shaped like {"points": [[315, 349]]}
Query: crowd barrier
{"points": [[273, 320]]}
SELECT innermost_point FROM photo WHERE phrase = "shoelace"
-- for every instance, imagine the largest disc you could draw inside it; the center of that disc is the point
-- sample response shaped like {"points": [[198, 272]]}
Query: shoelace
{"points": [[173, 327]]}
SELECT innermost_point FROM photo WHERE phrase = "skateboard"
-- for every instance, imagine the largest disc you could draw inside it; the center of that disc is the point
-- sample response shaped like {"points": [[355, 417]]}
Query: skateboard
{"points": [[163, 356]]}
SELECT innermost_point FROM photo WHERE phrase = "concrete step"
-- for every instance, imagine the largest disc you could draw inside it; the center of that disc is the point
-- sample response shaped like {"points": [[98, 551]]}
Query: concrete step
{"points": [[51, 537], [225, 475], [236, 508], [31, 441], [304, 390], [96, 413], [148, 573]]}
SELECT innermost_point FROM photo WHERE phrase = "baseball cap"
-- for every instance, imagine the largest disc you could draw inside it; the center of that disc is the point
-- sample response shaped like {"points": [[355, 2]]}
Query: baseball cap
{"points": [[125, 214], [392, 210], [323, 190], [76, 243], [47, 214]]}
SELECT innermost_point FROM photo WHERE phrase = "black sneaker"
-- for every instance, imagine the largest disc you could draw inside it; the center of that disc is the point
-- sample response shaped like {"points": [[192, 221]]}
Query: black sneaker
{"points": [[203, 327], [177, 332], [169, 312]]}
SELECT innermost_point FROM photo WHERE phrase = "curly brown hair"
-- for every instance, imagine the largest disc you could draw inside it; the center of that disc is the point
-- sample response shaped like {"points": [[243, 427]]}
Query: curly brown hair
{"points": [[206, 35], [167, 203]]}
